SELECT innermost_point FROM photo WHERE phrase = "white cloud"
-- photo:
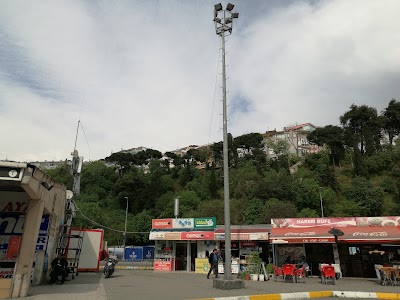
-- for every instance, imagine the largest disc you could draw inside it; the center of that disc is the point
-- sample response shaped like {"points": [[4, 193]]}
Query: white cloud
{"points": [[143, 73]]}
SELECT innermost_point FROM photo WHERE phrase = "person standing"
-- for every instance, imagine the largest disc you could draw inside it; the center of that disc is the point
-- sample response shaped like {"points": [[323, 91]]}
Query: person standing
{"points": [[213, 260]]}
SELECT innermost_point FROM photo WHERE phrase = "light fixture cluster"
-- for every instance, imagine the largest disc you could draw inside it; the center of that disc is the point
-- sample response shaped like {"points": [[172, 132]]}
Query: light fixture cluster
{"points": [[223, 18]]}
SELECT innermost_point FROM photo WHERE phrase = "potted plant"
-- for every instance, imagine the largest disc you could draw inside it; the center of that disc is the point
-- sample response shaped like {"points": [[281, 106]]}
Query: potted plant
{"points": [[254, 265], [270, 270]]}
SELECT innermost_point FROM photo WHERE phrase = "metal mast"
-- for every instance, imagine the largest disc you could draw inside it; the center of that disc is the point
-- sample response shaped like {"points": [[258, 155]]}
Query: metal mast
{"points": [[223, 20]]}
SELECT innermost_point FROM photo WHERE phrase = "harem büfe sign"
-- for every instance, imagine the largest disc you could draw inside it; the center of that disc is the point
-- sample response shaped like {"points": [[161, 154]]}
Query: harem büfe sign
{"points": [[12, 224]]}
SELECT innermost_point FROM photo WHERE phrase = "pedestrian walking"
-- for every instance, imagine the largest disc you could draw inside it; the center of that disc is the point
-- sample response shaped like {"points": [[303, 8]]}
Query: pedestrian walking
{"points": [[213, 260]]}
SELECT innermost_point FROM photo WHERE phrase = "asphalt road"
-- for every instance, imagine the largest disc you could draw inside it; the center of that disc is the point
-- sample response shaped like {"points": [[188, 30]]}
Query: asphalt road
{"points": [[138, 284]]}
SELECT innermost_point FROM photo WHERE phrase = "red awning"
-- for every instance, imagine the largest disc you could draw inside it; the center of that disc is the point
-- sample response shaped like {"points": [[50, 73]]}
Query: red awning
{"points": [[301, 235], [378, 234]]}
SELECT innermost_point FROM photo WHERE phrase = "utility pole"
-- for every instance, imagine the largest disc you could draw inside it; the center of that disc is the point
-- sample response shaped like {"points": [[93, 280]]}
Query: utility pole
{"points": [[126, 221], [223, 27], [322, 206]]}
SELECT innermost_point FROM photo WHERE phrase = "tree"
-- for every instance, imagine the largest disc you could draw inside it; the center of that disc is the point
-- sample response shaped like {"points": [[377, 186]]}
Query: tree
{"points": [[213, 186], [362, 132], [332, 137], [367, 197], [275, 208], [362, 128], [249, 142], [391, 120]]}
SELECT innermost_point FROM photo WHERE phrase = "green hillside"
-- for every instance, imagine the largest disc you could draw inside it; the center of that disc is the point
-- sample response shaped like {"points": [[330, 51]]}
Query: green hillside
{"points": [[356, 174]]}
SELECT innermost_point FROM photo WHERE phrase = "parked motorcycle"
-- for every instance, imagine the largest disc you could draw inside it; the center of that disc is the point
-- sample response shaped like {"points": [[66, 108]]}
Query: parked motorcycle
{"points": [[109, 267]]}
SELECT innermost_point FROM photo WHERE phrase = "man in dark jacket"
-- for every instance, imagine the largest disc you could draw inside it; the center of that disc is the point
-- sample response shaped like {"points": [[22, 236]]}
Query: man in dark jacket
{"points": [[213, 260], [58, 268]]}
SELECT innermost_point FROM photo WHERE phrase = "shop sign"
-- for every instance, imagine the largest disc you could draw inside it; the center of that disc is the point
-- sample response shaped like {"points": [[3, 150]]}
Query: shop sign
{"points": [[161, 223], [171, 236], [183, 223], [13, 206], [257, 236], [248, 244], [12, 225], [197, 235], [162, 265], [155, 235], [205, 223], [313, 222]]}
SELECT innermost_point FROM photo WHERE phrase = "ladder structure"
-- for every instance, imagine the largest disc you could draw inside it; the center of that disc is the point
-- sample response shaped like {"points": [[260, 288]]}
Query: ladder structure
{"points": [[70, 240]]}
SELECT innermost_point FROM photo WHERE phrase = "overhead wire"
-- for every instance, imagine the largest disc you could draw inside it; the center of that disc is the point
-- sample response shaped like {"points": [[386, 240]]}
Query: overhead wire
{"points": [[103, 226], [212, 115]]}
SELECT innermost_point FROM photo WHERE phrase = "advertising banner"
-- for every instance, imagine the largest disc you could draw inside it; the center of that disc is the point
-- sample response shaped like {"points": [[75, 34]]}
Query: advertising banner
{"points": [[197, 235], [202, 265], [135, 253], [172, 236], [205, 223], [378, 221], [161, 223], [255, 236], [162, 265], [183, 223], [148, 252], [313, 222], [156, 235], [11, 228], [370, 234]]}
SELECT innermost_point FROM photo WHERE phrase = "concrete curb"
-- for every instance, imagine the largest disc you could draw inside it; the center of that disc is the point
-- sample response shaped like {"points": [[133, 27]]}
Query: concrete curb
{"points": [[310, 295]]}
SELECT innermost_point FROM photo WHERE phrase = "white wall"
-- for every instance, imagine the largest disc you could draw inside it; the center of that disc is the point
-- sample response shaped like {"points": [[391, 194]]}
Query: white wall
{"points": [[202, 247]]}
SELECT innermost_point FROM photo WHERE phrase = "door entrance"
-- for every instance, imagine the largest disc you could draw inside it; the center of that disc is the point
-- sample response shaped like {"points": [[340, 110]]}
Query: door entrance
{"points": [[181, 256]]}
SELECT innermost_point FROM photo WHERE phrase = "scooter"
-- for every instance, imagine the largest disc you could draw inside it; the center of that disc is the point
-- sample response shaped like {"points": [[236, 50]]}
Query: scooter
{"points": [[109, 267]]}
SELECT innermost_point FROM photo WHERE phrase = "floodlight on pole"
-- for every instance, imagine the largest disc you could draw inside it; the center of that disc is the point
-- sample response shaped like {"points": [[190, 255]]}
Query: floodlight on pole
{"points": [[223, 29], [230, 6]]}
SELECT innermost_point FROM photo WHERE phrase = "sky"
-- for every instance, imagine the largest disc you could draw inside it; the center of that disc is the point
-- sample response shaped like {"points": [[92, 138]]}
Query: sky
{"points": [[148, 73]]}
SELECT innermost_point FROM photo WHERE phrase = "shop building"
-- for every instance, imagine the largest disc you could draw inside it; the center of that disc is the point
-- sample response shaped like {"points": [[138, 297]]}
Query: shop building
{"points": [[182, 244], [342, 241], [32, 207]]}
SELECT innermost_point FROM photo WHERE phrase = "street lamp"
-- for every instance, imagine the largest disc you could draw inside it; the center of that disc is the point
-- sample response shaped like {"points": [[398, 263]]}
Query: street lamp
{"points": [[223, 20], [126, 221], [320, 198]]}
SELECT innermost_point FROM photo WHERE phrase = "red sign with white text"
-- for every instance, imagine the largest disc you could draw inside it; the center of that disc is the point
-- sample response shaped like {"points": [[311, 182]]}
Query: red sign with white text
{"points": [[161, 223], [370, 233], [313, 222], [162, 265], [197, 235], [301, 235]]}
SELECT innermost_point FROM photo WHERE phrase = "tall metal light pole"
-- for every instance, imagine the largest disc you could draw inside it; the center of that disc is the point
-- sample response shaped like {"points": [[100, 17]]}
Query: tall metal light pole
{"points": [[320, 198], [126, 221], [223, 20]]}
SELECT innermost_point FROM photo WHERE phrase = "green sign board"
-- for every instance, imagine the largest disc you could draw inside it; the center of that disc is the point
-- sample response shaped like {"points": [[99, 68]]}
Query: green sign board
{"points": [[206, 223]]}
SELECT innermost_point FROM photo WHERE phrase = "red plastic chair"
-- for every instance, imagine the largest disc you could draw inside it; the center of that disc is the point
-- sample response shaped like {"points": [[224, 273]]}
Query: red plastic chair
{"points": [[301, 274], [277, 273], [289, 271], [328, 273]]}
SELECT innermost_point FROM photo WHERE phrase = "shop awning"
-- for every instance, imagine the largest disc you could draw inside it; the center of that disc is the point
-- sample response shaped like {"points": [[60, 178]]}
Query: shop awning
{"points": [[301, 235], [377, 234]]}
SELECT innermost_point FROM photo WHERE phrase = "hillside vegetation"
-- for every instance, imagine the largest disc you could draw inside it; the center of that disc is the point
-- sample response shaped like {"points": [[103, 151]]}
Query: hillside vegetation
{"points": [[357, 174]]}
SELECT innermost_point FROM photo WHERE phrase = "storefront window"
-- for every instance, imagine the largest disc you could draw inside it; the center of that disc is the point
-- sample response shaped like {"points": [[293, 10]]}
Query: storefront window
{"points": [[354, 250]]}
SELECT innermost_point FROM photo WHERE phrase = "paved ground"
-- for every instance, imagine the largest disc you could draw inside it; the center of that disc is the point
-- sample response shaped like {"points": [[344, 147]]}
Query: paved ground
{"points": [[140, 284]]}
